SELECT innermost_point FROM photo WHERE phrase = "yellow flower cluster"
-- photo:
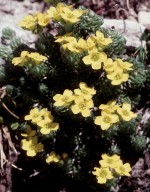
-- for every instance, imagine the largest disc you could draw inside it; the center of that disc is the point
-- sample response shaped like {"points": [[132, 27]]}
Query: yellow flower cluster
{"points": [[53, 157], [33, 22], [108, 116], [92, 48], [108, 166], [65, 14], [43, 119], [117, 71], [79, 102], [26, 57], [30, 143]]}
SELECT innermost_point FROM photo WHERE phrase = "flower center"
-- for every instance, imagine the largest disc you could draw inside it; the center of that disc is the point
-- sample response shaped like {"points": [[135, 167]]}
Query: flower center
{"points": [[71, 16], [65, 98], [36, 115], [117, 77], [82, 106], [95, 57], [46, 126], [103, 174], [107, 119], [109, 161], [125, 112], [84, 91]]}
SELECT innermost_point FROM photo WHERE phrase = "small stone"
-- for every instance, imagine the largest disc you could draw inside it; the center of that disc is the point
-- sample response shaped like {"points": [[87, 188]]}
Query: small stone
{"points": [[144, 18], [131, 30]]}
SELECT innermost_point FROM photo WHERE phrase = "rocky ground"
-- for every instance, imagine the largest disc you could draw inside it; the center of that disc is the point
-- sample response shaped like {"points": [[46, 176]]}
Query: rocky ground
{"points": [[129, 17]]}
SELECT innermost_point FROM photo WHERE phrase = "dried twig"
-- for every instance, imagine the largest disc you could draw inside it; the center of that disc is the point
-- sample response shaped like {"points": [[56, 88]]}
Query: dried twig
{"points": [[3, 93], [2, 154], [7, 136], [128, 5], [13, 165], [118, 12]]}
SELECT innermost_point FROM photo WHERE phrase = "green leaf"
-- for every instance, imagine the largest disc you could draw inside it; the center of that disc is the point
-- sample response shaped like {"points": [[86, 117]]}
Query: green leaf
{"points": [[14, 125]]}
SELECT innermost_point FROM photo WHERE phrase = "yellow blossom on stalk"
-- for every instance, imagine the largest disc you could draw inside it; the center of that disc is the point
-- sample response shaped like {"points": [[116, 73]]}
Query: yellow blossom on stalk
{"points": [[71, 16], [35, 115], [32, 146], [125, 112], [46, 114], [95, 59], [109, 65], [102, 174], [82, 106], [85, 91], [22, 59], [90, 44], [123, 169], [106, 120], [53, 157], [29, 132], [117, 77], [110, 107], [76, 46], [54, 12], [101, 40], [46, 126], [64, 99], [29, 22], [43, 19], [124, 65], [36, 57], [109, 161]]}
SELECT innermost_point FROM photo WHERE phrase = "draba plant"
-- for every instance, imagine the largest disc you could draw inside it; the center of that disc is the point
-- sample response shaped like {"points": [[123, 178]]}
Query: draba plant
{"points": [[73, 99]]}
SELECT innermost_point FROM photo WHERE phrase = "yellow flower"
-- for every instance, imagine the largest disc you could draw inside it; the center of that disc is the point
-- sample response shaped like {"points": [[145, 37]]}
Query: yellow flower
{"points": [[76, 46], [55, 12], [29, 132], [82, 106], [53, 157], [102, 174], [125, 112], [28, 22], [117, 77], [46, 114], [123, 65], [110, 107], [47, 126], [71, 16], [22, 59], [109, 65], [52, 12], [123, 169], [109, 161], [106, 120], [101, 40], [36, 57], [90, 44], [35, 115], [95, 58], [65, 99], [32, 146], [43, 19], [85, 91]]}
